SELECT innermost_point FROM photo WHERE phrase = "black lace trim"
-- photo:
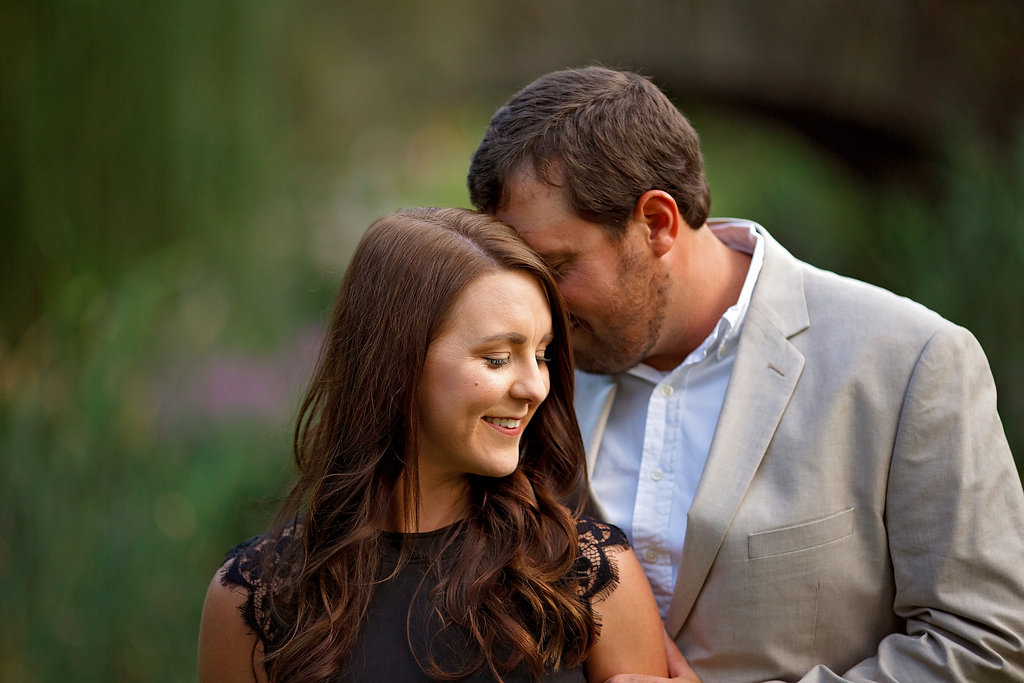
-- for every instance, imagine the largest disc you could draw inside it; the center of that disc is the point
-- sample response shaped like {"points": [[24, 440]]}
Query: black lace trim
{"points": [[245, 565], [595, 573]]}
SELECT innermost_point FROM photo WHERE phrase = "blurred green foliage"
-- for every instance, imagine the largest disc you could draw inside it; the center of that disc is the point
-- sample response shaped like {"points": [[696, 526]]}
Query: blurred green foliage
{"points": [[180, 187]]}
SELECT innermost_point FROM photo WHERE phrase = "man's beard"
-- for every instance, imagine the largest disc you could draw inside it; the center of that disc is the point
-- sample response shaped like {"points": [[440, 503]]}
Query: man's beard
{"points": [[631, 326]]}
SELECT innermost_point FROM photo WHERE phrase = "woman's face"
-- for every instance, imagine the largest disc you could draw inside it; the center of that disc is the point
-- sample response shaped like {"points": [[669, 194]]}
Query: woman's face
{"points": [[483, 379]]}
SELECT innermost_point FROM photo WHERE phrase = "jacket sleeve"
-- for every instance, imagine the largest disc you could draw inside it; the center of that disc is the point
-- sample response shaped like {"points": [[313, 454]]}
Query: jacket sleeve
{"points": [[955, 523]]}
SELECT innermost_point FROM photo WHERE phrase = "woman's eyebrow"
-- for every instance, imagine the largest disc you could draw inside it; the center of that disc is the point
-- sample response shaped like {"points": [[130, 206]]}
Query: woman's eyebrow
{"points": [[511, 337], [515, 338]]}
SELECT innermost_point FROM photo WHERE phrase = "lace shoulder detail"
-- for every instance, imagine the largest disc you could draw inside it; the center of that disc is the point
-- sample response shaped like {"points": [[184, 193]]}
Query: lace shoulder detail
{"points": [[245, 567], [597, 573]]}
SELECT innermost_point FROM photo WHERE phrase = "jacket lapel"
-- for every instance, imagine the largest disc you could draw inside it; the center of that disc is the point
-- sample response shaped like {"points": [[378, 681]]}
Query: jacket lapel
{"points": [[763, 380]]}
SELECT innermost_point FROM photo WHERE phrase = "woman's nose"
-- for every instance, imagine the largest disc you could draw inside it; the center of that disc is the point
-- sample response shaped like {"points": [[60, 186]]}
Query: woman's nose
{"points": [[531, 384]]}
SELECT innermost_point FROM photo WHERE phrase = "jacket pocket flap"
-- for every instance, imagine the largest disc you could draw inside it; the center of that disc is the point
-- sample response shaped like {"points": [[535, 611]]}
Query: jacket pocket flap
{"points": [[800, 536]]}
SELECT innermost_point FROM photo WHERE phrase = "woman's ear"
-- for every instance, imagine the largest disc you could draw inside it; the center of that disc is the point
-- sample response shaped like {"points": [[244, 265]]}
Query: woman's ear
{"points": [[657, 211]]}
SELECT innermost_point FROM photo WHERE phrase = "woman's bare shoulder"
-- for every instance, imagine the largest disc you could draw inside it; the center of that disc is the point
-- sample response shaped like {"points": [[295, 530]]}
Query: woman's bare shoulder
{"points": [[229, 650]]}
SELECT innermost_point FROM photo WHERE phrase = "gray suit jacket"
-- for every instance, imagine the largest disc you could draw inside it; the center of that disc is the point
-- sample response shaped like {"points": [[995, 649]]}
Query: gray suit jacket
{"points": [[860, 516]]}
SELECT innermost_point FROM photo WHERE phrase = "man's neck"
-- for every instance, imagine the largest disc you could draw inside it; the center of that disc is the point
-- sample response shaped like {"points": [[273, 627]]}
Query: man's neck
{"points": [[707, 279]]}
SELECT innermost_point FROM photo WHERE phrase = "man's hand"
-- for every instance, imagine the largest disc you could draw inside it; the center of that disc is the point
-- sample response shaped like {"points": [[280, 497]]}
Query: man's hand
{"points": [[678, 668]]}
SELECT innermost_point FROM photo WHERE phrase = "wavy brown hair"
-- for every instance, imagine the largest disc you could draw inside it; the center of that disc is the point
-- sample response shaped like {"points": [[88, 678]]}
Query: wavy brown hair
{"points": [[356, 454]]}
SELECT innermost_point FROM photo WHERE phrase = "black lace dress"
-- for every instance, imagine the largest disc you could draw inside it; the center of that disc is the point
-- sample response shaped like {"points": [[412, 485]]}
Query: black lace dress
{"points": [[397, 624]]}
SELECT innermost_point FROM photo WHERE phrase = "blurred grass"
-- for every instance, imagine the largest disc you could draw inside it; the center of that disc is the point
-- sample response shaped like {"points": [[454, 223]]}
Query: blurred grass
{"points": [[180, 189]]}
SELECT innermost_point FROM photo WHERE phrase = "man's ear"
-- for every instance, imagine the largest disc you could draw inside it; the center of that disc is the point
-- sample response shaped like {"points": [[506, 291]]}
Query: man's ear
{"points": [[658, 212]]}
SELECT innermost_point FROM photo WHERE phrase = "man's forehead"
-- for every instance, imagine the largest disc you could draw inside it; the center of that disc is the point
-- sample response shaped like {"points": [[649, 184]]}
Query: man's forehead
{"points": [[526, 186], [548, 241]]}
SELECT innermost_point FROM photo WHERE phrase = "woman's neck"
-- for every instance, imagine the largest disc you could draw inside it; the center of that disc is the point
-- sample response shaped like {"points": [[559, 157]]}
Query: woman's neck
{"points": [[440, 505]]}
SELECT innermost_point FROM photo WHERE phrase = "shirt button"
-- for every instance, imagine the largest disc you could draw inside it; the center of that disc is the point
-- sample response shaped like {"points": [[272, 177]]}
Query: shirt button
{"points": [[656, 475], [666, 391], [651, 556]]}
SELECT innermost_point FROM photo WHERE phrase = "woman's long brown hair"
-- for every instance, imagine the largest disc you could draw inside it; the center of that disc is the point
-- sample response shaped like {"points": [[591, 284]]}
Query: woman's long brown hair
{"points": [[356, 454]]}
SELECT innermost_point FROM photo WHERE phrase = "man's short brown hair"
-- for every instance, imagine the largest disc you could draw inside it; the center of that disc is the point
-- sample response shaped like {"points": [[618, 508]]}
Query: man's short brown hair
{"points": [[604, 136]]}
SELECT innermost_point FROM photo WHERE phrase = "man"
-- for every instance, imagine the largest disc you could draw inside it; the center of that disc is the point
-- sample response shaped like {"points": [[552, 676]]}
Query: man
{"points": [[811, 469]]}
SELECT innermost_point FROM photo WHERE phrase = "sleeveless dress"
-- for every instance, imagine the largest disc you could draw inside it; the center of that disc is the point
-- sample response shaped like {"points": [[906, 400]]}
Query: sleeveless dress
{"points": [[397, 623]]}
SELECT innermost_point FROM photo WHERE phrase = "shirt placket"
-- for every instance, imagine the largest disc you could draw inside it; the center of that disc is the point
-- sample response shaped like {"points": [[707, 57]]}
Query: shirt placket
{"points": [[654, 496]]}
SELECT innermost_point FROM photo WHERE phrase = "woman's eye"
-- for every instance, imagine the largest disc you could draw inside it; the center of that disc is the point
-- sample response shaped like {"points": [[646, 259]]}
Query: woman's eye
{"points": [[542, 359], [497, 362]]}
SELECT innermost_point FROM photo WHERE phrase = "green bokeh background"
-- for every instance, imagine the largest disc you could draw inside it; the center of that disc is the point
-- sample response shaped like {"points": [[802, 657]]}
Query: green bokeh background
{"points": [[181, 185]]}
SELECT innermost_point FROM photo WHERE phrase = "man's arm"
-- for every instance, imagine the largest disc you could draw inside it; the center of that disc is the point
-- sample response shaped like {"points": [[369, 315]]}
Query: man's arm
{"points": [[955, 522], [954, 518]]}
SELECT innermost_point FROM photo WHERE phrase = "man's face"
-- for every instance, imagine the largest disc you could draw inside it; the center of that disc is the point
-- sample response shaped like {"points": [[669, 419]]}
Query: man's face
{"points": [[615, 296]]}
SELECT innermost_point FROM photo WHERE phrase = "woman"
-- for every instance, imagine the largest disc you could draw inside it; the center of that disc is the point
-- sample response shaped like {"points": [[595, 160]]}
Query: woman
{"points": [[426, 536]]}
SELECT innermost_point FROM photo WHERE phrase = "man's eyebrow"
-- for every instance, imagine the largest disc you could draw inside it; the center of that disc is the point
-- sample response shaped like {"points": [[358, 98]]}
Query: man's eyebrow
{"points": [[555, 258]]}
